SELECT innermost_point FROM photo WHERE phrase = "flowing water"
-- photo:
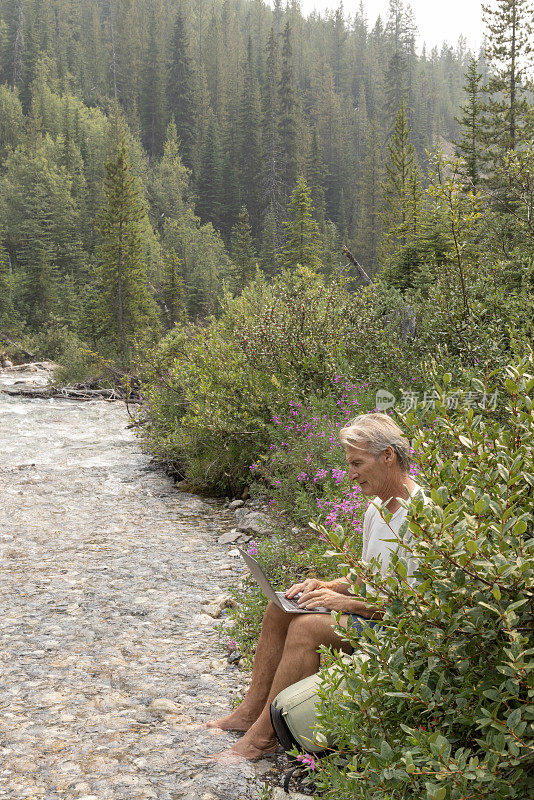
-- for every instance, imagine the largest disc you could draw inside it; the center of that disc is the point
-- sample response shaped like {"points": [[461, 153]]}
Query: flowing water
{"points": [[105, 569]]}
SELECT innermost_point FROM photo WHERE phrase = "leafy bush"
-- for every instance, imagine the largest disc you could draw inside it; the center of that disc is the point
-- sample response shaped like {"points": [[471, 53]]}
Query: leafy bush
{"points": [[439, 707], [211, 392]]}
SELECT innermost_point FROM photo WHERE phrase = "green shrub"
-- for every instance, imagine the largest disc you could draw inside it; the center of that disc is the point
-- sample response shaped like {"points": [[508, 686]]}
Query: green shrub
{"points": [[440, 706], [210, 392]]}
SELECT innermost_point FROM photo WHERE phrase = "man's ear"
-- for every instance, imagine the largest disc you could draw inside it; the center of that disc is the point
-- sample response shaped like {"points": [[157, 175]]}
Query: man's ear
{"points": [[389, 454]]}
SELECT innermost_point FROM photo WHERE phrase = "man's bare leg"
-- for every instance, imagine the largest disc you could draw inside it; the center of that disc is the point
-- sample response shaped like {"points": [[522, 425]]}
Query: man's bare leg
{"points": [[299, 659], [269, 651]]}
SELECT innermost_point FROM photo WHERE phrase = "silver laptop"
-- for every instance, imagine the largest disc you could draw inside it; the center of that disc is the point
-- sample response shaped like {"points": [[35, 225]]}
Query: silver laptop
{"points": [[279, 598]]}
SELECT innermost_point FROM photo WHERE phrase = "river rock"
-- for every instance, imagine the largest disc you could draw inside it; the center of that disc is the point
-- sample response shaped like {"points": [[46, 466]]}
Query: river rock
{"points": [[231, 536], [217, 606], [163, 704], [236, 504], [193, 505], [257, 523], [241, 512], [279, 794]]}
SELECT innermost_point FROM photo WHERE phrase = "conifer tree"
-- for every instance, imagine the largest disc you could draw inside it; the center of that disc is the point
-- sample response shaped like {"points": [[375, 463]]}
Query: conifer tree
{"points": [[250, 141], [181, 99], [128, 305], [402, 192], [469, 147], [11, 120], [302, 238], [339, 61], [316, 175], [242, 250], [169, 185], [127, 30], [6, 285], [173, 290], [152, 101], [209, 185], [288, 122], [231, 196], [396, 86], [272, 149], [369, 200], [509, 117], [41, 221], [270, 242]]}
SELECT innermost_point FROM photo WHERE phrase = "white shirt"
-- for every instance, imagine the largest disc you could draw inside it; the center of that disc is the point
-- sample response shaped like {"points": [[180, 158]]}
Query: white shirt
{"points": [[376, 532]]}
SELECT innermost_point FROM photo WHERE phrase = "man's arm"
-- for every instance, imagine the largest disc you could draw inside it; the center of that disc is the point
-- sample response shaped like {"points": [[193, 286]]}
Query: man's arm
{"points": [[324, 597]]}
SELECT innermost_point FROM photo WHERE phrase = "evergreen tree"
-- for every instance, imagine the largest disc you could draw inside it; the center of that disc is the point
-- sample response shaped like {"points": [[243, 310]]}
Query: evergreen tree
{"points": [[173, 290], [302, 238], [509, 117], [242, 251], [270, 242], [469, 146], [209, 185], [6, 286], [181, 99], [316, 175], [129, 308], [169, 184], [339, 62], [231, 190], [152, 101], [401, 216], [272, 148], [250, 141], [400, 209], [396, 86], [369, 199], [288, 121], [11, 121], [128, 57]]}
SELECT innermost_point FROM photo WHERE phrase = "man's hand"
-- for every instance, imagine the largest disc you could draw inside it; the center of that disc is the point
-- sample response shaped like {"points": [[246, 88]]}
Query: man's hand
{"points": [[306, 586], [322, 597]]}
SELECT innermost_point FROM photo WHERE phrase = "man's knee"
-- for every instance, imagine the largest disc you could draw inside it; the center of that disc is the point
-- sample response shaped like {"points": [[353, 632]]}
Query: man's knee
{"points": [[307, 629], [274, 614]]}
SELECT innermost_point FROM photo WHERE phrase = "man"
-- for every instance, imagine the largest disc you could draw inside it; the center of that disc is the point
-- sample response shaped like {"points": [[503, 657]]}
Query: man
{"points": [[378, 455]]}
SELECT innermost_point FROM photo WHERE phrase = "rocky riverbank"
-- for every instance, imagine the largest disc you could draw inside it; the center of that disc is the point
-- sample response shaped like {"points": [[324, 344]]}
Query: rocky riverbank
{"points": [[110, 661]]}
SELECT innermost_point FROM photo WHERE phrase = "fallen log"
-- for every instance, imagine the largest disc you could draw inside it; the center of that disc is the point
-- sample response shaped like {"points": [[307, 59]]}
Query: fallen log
{"points": [[65, 392]]}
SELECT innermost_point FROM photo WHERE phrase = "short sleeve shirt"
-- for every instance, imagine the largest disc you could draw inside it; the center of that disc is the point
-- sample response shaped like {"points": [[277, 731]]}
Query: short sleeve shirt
{"points": [[377, 532]]}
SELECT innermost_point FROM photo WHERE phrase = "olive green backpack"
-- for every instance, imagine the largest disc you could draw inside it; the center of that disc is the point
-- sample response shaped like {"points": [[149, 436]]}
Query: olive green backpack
{"points": [[294, 711]]}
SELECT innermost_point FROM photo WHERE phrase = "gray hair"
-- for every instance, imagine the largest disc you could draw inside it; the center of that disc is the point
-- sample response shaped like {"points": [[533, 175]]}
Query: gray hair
{"points": [[378, 431]]}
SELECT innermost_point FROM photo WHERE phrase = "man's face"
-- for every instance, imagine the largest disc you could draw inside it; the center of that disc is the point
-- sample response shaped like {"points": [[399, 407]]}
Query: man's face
{"points": [[365, 469]]}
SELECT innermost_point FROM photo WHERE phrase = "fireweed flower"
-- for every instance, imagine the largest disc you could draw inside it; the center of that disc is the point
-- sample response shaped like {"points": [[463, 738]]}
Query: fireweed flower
{"points": [[307, 760]]}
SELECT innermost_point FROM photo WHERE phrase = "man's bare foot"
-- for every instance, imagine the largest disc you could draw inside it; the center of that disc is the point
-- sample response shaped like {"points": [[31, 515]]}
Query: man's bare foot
{"points": [[244, 751], [232, 722]]}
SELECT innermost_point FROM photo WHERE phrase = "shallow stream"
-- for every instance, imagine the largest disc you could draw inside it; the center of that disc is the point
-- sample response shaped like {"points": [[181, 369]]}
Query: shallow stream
{"points": [[104, 570]]}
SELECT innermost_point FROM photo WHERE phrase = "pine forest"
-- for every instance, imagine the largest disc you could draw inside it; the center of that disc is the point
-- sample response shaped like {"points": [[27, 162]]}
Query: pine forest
{"points": [[192, 143]]}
